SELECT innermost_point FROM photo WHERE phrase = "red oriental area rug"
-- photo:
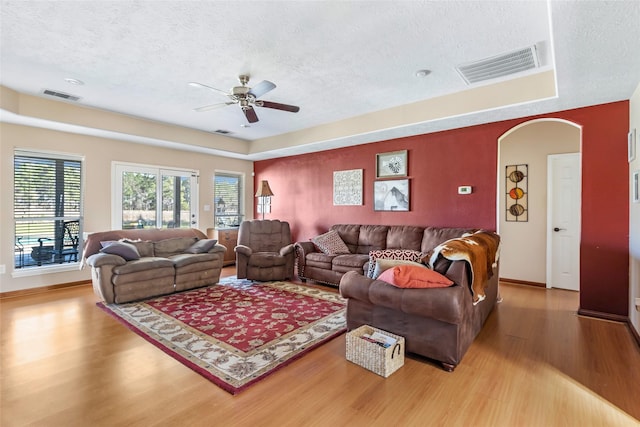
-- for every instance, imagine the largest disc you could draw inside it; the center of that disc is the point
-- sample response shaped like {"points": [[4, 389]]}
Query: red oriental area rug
{"points": [[237, 332]]}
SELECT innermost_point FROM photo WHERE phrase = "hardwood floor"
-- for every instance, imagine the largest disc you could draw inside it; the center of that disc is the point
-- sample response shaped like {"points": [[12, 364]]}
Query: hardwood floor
{"points": [[536, 363]]}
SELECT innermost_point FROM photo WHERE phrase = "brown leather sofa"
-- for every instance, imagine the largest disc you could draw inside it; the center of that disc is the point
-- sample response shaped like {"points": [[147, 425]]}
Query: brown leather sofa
{"points": [[360, 240], [438, 323], [168, 262]]}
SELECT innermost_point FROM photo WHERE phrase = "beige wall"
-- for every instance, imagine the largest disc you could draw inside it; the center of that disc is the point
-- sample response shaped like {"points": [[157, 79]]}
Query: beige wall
{"points": [[530, 143], [634, 218], [98, 155]]}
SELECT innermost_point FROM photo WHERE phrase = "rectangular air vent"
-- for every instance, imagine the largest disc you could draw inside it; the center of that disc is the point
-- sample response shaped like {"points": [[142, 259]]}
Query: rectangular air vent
{"points": [[222, 132], [61, 95], [499, 66]]}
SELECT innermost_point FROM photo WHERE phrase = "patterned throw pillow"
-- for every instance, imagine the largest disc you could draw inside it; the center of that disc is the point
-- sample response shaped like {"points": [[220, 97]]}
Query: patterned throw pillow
{"points": [[399, 254], [330, 243]]}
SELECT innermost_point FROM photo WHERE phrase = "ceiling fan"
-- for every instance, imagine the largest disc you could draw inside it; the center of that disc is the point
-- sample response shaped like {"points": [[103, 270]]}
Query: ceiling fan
{"points": [[247, 98]]}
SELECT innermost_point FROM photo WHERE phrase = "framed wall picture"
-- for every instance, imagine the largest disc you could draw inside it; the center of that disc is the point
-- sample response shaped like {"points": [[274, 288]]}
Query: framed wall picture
{"points": [[631, 145], [347, 188], [391, 195], [393, 163]]}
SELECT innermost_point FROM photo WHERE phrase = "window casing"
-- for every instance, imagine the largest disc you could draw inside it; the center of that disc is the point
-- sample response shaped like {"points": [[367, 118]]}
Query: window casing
{"points": [[154, 197], [228, 209], [48, 195]]}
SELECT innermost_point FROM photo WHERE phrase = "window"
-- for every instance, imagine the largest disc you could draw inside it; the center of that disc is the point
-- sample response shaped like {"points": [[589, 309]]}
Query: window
{"points": [[47, 203], [227, 197], [148, 196]]}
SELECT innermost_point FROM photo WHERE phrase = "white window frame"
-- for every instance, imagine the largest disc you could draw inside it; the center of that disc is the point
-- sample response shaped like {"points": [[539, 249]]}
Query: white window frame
{"points": [[242, 189], [117, 168], [49, 268]]}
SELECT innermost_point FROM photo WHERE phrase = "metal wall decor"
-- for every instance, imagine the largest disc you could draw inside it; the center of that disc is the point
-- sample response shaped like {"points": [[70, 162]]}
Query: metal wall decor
{"points": [[517, 195], [347, 187]]}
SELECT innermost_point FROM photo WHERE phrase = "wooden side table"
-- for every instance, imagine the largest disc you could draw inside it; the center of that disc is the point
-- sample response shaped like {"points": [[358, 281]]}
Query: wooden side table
{"points": [[227, 237]]}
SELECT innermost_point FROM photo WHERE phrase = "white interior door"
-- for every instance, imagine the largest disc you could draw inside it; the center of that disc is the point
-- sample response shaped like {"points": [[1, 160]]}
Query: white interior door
{"points": [[563, 221]]}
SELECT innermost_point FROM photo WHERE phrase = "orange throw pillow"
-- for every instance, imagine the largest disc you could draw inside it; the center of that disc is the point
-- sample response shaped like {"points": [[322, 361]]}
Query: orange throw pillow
{"points": [[410, 276]]}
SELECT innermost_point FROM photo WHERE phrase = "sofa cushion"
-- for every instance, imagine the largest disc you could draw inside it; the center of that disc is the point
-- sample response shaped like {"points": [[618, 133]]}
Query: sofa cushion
{"points": [[400, 254], [350, 260], [344, 263], [201, 246], [371, 238], [319, 259], [123, 249], [383, 265], [410, 276], [330, 243], [267, 259], [182, 260], [405, 237], [143, 264], [177, 245], [144, 247]]}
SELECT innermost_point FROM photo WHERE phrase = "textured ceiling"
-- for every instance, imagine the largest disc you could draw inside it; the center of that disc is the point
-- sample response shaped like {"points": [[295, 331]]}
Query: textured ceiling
{"points": [[336, 60]]}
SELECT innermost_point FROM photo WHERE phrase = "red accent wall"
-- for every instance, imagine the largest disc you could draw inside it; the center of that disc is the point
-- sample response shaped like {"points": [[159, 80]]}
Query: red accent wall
{"points": [[440, 162]]}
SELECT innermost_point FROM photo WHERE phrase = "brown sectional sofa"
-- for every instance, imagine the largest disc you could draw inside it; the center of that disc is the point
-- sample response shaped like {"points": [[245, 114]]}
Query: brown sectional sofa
{"points": [[164, 266], [438, 323]]}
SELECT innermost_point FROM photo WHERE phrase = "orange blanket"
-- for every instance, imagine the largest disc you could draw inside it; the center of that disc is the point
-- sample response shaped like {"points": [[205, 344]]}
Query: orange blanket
{"points": [[480, 249]]}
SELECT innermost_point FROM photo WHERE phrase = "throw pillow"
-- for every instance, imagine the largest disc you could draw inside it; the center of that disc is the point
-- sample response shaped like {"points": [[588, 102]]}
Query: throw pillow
{"points": [[409, 276], [201, 246], [125, 250], [403, 254], [383, 264], [330, 243]]}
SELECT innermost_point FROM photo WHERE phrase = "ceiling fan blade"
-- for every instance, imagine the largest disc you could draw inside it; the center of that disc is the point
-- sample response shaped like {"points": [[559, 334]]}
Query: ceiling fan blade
{"points": [[262, 88], [196, 84], [251, 115], [278, 106], [212, 106]]}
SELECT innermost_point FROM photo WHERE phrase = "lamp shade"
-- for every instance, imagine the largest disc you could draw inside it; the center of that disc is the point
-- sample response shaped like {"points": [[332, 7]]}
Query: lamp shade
{"points": [[264, 190]]}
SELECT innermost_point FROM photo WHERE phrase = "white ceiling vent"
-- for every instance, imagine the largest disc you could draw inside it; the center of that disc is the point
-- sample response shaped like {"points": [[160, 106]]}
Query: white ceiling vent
{"points": [[222, 132], [499, 66], [61, 95]]}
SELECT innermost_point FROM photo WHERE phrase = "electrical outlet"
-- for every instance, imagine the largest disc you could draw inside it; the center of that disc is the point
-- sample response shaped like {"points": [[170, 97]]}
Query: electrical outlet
{"points": [[3, 268]]}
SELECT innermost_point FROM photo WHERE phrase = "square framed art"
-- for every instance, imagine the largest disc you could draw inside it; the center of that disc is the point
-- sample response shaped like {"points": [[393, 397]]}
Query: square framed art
{"points": [[391, 195]]}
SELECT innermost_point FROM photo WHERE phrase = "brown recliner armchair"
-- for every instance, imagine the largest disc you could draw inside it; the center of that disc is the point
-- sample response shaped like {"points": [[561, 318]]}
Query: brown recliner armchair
{"points": [[264, 250]]}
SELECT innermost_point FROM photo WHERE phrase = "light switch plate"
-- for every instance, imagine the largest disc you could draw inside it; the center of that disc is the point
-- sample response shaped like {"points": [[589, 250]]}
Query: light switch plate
{"points": [[464, 189]]}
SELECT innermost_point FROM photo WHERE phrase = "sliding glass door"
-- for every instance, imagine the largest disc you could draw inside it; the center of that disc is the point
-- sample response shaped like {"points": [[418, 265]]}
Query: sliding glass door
{"points": [[154, 197]]}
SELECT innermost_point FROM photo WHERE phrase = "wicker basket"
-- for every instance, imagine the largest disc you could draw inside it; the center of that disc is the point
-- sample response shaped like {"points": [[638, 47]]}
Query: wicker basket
{"points": [[369, 355]]}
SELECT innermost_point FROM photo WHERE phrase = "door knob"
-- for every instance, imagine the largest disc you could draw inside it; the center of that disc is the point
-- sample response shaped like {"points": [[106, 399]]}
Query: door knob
{"points": [[558, 229]]}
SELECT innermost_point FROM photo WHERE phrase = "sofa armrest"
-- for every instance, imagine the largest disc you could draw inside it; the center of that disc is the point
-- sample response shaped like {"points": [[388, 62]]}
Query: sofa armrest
{"points": [[287, 250], [100, 259], [444, 304], [243, 250], [457, 271], [218, 248], [302, 249]]}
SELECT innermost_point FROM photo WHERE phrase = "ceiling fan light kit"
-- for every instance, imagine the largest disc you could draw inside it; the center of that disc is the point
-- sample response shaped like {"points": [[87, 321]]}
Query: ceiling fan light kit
{"points": [[246, 97]]}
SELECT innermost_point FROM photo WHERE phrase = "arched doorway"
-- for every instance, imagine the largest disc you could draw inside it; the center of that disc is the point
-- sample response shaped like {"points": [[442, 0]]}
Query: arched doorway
{"points": [[523, 256]]}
